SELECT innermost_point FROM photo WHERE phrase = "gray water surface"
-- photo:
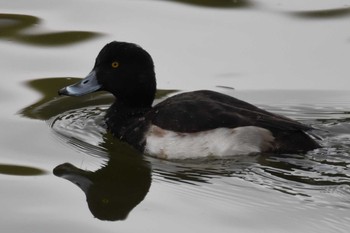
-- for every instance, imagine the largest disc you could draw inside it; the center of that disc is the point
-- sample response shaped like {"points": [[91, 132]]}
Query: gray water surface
{"points": [[60, 171]]}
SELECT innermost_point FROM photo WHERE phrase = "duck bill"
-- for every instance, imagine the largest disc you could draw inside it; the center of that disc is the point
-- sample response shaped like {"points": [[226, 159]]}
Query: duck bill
{"points": [[87, 85]]}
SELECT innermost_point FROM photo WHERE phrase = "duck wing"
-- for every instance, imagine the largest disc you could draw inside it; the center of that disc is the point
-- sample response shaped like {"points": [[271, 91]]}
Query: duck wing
{"points": [[204, 110]]}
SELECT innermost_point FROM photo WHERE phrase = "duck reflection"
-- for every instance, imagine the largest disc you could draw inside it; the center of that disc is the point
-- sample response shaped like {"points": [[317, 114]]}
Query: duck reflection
{"points": [[113, 190]]}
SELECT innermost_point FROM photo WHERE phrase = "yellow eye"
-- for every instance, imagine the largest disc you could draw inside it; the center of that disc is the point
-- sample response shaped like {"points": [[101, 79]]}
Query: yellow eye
{"points": [[115, 64]]}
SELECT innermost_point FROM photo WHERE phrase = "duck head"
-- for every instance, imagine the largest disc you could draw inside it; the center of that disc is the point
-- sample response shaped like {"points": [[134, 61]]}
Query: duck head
{"points": [[123, 69]]}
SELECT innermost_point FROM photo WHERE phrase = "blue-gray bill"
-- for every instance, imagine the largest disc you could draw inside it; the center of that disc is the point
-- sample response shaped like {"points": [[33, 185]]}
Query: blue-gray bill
{"points": [[87, 85]]}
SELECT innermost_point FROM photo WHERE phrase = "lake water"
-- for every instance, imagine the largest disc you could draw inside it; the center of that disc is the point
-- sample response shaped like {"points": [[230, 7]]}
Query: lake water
{"points": [[60, 171]]}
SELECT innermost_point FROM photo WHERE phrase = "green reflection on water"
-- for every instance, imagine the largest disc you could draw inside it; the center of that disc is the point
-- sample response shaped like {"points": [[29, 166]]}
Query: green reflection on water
{"points": [[17, 170], [12, 26], [217, 3], [323, 14], [51, 104], [57, 38]]}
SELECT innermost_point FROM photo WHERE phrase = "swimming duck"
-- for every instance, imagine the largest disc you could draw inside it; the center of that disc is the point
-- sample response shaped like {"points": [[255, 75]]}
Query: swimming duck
{"points": [[191, 124]]}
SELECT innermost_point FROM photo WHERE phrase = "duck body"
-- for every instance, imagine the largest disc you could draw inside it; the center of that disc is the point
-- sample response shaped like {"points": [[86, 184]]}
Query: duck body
{"points": [[204, 123], [187, 125]]}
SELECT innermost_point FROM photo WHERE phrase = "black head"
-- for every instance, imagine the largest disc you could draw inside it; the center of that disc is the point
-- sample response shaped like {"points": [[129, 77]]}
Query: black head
{"points": [[123, 69]]}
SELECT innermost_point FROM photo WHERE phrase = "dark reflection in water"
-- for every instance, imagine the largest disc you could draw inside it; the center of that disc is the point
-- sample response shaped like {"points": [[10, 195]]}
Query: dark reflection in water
{"points": [[12, 27], [12, 24], [323, 14], [116, 188], [17, 170], [325, 170], [217, 3]]}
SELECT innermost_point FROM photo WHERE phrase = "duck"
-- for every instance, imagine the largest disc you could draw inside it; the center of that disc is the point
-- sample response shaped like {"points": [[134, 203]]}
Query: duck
{"points": [[192, 124]]}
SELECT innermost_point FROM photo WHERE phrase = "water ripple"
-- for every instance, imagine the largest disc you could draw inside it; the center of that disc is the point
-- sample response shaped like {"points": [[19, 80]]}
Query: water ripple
{"points": [[82, 128]]}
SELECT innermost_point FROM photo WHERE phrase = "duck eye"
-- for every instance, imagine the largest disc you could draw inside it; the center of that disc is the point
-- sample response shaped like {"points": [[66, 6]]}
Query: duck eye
{"points": [[115, 64]]}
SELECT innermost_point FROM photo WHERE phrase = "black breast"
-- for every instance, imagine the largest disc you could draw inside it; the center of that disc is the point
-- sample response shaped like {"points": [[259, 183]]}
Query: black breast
{"points": [[128, 124]]}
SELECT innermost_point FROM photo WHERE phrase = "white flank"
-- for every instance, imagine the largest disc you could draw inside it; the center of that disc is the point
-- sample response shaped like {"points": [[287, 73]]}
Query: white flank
{"points": [[217, 142]]}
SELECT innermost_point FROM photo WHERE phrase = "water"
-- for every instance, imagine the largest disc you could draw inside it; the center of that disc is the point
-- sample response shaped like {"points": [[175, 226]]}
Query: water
{"points": [[61, 171]]}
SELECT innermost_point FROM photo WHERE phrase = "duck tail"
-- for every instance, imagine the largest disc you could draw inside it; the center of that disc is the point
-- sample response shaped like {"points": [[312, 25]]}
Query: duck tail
{"points": [[296, 142]]}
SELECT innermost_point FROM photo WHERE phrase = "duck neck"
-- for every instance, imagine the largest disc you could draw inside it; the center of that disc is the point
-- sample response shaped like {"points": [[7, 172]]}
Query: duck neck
{"points": [[123, 119]]}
